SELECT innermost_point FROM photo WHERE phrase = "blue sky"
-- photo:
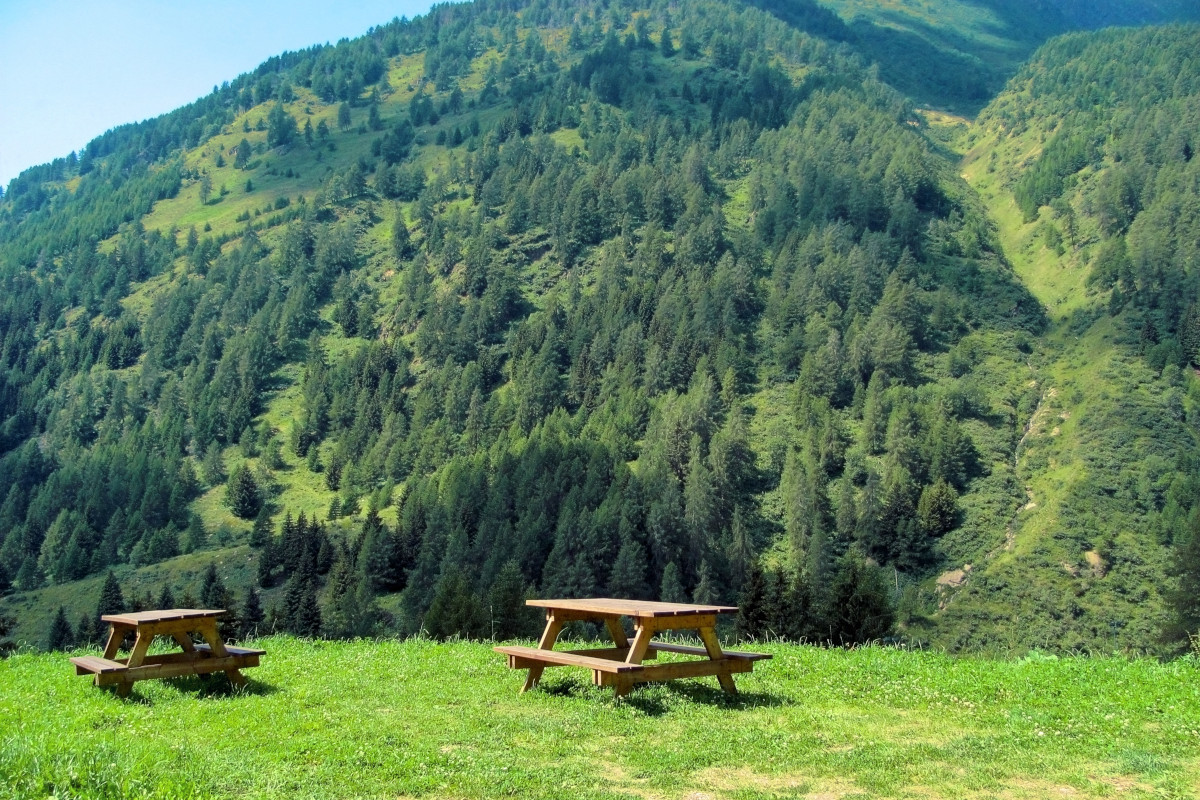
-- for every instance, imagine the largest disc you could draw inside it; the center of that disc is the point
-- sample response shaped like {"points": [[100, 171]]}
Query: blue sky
{"points": [[72, 69]]}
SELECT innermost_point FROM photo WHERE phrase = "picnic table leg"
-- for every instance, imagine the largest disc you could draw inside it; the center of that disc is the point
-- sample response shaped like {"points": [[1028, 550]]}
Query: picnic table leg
{"points": [[116, 635], [136, 656], [616, 632], [713, 646], [207, 628], [641, 642], [549, 636]]}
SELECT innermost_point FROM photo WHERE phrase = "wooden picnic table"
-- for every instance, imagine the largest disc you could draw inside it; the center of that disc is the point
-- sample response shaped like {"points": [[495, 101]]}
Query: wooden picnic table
{"points": [[621, 666], [213, 655]]}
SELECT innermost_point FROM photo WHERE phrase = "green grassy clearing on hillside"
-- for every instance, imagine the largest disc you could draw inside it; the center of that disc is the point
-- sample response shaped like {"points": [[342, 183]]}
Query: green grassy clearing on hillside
{"points": [[422, 719]]}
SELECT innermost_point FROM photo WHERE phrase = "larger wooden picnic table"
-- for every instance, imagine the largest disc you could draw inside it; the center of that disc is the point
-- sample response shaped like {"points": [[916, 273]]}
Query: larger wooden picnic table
{"points": [[621, 666], [213, 655]]}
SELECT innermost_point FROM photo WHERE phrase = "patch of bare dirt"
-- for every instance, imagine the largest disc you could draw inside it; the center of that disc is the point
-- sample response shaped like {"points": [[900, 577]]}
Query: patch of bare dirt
{"points": [[807, 787], [1096, 562], [952, 579]]}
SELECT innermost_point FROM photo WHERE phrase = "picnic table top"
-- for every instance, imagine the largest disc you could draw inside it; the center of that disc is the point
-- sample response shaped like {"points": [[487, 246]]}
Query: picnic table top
{"points": [[631, 608], [165, 615]]}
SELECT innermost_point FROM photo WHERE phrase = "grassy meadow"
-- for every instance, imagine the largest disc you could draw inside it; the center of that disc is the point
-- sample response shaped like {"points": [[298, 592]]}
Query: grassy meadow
{"points": [[418, 718]]}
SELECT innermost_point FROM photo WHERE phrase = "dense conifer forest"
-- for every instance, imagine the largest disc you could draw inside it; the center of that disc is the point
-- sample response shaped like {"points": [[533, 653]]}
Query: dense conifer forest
{"points": [[638, 299]]}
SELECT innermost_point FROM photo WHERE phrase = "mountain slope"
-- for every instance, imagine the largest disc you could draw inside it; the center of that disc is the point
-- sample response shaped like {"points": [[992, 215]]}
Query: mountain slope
{"points": [[1109, 460], [646, 302], [957, 54]]}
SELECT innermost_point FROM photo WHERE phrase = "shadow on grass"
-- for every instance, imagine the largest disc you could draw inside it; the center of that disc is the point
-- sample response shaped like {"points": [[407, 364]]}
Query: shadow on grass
{"points": [[202, 687], [657, 699]]}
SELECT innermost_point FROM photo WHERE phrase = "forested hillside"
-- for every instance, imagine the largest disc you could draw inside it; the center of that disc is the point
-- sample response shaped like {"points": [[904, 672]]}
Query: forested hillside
{"points": [[957, 54], [643, 300], [1087, 163]]}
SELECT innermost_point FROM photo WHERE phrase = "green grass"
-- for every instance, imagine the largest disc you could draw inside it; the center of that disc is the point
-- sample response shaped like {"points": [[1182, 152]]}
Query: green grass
{"points": [[422, 719]]}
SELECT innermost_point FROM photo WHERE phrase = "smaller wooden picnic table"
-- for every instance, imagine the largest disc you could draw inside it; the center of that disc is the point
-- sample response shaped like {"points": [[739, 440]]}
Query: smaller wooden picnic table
{"points": [[621, 666], [178, 623]]}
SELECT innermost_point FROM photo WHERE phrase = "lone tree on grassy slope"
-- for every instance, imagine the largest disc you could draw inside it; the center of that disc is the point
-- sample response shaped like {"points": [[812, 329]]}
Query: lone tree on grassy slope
{"points": [[281, 127], [242, 493]]}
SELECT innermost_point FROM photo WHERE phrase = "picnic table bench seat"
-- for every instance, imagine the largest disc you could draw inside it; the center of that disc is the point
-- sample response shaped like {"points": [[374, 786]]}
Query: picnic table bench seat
{"points": [[688, 650], [96, 665], [567, 658], [234, 651]]}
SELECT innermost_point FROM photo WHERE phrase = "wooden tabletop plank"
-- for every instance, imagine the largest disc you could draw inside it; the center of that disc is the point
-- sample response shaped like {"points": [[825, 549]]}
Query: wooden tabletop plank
{"points": [[630, 608], [166, 615]]}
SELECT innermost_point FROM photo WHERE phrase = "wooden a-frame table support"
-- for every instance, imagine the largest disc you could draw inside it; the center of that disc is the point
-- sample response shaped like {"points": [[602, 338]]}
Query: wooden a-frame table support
{"points": [[179, 623], [621, 666]]}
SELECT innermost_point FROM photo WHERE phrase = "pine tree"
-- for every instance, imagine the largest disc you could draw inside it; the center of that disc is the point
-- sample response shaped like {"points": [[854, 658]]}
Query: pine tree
{"points": [[111, 600], [510, 617], [213, 465], [61, 636], [242, 493], [252, 616], [672, 590], [665, 45], [268, 559], [1185, 597], [301, 614], [350, 609], [243, 154], [166, 598], [212, 589], [706, 587], [860, 607], [628, 577], [29, 577], [741, 552], [401, 240], [753, 611], [261, 532], [195, 536], [455, 610], [1189, 333], [85, 631]]}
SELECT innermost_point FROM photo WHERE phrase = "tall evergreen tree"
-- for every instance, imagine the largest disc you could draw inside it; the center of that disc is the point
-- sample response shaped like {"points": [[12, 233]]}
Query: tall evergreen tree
{"points": [[301, 614], [251, 615], [1185, 595], [111, 600], [753, 616], [401, 241], [706, 592], [628, 576], [672, 590], [351, 610], [860, 604], [242, 493], [509, 615], [61, 637], [455, 610], [85, 631], [212, 589]]}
